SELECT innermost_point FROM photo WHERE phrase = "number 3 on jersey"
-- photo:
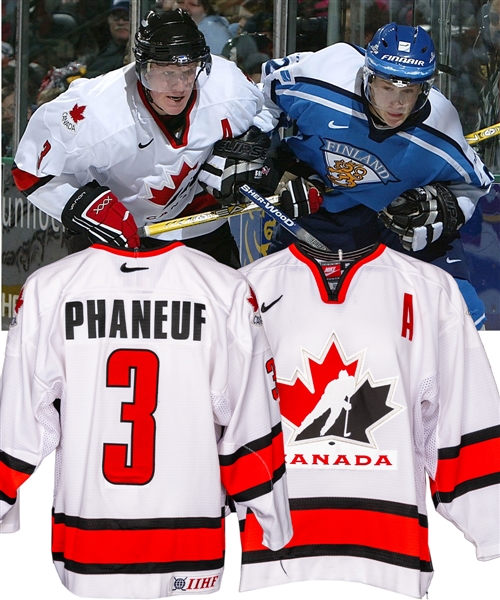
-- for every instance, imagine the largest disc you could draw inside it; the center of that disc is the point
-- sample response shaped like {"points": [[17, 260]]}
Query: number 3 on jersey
{"points": [[139, 412]]}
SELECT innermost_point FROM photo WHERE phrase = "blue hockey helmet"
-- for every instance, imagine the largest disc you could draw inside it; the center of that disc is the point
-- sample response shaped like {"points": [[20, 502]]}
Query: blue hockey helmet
{"points": [[404, 56]]}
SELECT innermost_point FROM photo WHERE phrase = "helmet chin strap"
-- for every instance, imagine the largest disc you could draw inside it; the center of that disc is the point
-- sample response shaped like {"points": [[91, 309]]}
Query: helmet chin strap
{"points": [[151, 101]]}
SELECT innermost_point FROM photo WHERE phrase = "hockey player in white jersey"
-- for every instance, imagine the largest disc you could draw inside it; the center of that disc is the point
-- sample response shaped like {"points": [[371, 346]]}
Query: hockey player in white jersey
{"points": [[123, 150], [380, 140], [424, 407], [150, 375]]}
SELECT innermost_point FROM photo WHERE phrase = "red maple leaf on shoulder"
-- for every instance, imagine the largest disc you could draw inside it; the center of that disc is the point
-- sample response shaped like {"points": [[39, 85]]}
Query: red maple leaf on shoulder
{"points": [[76, 113], [19, 302], [253, 301]]}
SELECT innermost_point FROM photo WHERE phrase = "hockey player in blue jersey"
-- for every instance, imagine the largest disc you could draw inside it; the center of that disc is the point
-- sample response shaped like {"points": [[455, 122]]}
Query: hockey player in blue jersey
{"points": [[388, 148]]}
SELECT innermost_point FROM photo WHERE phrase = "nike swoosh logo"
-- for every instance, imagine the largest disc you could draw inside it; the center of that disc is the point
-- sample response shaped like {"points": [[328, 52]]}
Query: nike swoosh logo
{"points": [[265, 308], [453, 260], [125, 269], [332, 125], [142, 146]]}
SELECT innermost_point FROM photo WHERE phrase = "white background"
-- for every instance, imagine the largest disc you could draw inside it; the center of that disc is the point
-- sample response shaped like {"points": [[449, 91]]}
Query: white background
{"points": [[27, 572]]}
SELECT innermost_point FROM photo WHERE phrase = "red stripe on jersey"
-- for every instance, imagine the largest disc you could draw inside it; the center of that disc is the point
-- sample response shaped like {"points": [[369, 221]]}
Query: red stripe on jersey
{"points": [[320, 527], [11, 480], [255, 468], [137, 546], [24, 180], [473, 461]]}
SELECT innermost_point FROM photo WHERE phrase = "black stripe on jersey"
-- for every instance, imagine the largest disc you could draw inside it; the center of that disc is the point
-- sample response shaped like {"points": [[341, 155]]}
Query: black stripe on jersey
{"points": [[7, 499], [469, 439], [446, 138], [385, 556], [328, 86], [16, 464], [259, 444], [137, 568], [262, 489], [137, 524], [381, 506], [465, 487]]}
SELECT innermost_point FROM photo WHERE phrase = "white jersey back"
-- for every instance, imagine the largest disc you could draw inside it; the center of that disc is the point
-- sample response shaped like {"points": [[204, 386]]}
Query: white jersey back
{"points": [[150, 375]]}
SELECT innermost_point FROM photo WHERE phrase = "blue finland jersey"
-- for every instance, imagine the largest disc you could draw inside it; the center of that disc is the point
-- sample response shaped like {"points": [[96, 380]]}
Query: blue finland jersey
{"points": [[321, 93]]}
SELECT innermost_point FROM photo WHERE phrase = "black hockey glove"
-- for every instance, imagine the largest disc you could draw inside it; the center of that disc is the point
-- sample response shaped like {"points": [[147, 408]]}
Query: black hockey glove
{"points": [[237, 161], [98, 214], [301, 196], [422, 215]]}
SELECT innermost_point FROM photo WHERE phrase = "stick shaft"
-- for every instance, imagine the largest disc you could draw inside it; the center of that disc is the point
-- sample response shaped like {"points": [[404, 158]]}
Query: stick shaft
{"points": [[483, 134], [273, 211], [198, 219]]}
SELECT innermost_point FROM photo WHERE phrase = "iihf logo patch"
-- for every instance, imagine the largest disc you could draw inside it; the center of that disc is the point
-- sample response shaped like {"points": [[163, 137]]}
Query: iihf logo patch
{"points": [[179, 583], [194, 584]]}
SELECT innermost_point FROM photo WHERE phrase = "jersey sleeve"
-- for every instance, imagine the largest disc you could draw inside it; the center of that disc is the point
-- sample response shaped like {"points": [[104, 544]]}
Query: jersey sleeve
{"points": [[251, 451], [275, 72], [29, 421], [462, 420], [68, 143]]}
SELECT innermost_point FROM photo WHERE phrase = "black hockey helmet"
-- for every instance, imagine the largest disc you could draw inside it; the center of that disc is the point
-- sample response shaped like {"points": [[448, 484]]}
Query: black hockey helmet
{"points": [[170, 37]]}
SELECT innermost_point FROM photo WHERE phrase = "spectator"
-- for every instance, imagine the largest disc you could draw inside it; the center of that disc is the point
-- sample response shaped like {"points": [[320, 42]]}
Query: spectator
{"points": [[489, 110], [166, 4], [113, 55], [214, 27], [8, 107], [249, 52], [261, 18]]}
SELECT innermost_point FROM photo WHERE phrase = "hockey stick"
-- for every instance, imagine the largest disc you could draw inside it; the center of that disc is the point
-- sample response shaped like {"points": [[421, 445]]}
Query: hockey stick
{"points": [[204, 217], [268, 205], [483, 134], [347, 433], [273, 211]]}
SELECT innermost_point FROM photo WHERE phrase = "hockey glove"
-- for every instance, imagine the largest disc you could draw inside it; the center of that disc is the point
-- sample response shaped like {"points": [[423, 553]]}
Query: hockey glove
{"points": [[301, 197], [98, 214], [237, 161], [422, 215]]}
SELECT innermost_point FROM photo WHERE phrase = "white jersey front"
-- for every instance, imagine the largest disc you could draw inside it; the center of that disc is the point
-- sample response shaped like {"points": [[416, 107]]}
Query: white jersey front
{"points": [[104, 129], [150, 374], [383, 380]]}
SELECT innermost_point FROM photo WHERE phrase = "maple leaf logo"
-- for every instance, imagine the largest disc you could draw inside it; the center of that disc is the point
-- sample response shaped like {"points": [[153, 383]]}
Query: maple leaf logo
{"points": [[20, 302], [253, 301], [333, 401], [76, 113], [17, 308], [164, 195]]}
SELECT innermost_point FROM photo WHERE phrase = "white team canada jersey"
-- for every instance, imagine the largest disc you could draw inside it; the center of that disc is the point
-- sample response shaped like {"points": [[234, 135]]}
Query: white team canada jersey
{"points": [[383, 380], [150, 374], [105, 129]]}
